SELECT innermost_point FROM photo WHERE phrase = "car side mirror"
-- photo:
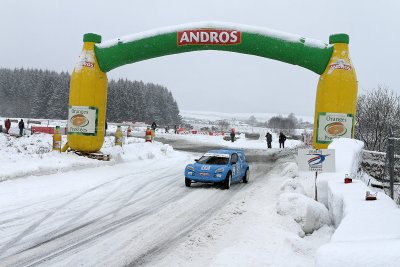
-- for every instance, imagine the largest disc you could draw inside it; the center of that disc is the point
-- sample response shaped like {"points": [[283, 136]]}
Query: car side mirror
{"points": [[234, 161], [196, 160]]}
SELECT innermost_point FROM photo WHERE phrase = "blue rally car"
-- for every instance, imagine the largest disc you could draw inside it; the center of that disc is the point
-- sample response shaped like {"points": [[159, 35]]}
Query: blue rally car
{"points": [[224, 166]]}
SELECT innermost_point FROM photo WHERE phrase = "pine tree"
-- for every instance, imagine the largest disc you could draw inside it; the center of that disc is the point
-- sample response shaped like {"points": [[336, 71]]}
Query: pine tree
{"points": [[32, 93]]}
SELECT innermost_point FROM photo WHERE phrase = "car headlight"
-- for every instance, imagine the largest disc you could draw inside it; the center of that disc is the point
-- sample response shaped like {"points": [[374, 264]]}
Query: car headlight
{"points": [[219, 170], [190, 168]]}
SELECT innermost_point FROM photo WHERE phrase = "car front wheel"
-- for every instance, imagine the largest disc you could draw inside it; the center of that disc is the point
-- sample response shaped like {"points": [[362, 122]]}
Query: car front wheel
{"points": [[227, 181], [246, 176], [188, 182]]}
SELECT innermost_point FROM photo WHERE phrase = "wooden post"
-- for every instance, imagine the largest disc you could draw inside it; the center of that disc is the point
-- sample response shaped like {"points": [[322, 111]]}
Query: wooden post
{"points": [[316, 176]]}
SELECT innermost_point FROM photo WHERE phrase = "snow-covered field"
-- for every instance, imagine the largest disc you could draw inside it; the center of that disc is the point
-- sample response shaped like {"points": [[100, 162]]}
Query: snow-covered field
{"points": [[66, 210]]}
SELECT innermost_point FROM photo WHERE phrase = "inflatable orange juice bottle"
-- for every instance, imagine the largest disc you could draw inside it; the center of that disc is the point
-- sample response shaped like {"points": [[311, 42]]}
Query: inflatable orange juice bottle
{"points": [[336, 101], [87, 100]]}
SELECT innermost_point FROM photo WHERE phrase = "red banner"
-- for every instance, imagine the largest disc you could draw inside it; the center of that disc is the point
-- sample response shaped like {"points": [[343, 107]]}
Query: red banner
{"points": [[48, 130], [209, 37]]}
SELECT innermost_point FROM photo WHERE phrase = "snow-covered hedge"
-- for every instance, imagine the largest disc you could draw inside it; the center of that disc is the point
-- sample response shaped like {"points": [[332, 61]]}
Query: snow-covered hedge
{"points": [[368, 232]]}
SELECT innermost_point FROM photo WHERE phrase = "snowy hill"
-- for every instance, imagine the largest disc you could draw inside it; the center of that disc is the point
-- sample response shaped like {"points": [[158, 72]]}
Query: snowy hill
{"points": [[213, 116]]}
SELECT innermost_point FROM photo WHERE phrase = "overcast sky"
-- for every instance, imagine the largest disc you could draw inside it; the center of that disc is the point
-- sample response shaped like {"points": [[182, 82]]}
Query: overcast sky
{"points": [[48, 35]]}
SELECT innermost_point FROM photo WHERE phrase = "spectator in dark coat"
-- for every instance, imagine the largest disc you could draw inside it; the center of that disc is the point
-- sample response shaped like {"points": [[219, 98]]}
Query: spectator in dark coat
{"points": [[282, 139], [21, 126], [269, 139], [153, 126], [153, 131], [232, 135], [7, 124]]}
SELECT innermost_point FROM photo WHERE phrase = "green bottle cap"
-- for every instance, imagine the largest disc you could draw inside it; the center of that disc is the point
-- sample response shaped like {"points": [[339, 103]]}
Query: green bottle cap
{"points": [[339, 38], [92, 37]]}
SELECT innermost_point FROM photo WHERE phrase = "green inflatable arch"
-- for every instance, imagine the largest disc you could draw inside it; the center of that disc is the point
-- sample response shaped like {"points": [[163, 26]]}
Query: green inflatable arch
{"points": [[335, 105], [293, 49]]}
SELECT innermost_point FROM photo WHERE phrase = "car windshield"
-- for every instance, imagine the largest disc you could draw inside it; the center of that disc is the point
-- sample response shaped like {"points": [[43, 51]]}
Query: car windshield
{"points": [[213, 160]]}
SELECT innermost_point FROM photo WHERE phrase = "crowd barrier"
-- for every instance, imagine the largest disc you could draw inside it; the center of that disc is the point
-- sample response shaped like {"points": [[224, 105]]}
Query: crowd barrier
{"points": [[201, 133], [47, 130]]}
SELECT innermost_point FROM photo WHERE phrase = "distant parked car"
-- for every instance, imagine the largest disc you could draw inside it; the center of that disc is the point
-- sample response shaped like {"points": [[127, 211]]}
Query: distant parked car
{"points": [[252, 136], [224, 166]]}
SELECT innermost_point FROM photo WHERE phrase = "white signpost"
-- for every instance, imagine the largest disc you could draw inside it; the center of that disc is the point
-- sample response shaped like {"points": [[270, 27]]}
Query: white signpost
{"points": [[318, 160]]}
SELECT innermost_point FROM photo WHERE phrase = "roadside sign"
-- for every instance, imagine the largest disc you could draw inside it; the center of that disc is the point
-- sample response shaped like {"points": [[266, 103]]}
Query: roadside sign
{"points": [[318, 160], [334, 125]]}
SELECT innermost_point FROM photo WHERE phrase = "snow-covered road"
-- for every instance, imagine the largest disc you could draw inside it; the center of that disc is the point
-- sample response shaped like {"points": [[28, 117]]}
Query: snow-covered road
{"points": [[109, 215], [65, 210]]}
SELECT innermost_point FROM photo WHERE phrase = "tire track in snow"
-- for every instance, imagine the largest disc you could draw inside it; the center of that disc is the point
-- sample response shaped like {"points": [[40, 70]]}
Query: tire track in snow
{"points": [[109, 227], [180, 232], [166, 244], [32, 227], [82, 238], [41, 202]]}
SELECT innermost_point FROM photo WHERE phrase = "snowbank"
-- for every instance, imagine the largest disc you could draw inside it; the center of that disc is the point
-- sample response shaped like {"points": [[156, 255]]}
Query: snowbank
{"points": [[348, 153], [290, 169], [368, 232], [308, 213], [296, 204], [348, 156], [32, 155], [292, 186]]}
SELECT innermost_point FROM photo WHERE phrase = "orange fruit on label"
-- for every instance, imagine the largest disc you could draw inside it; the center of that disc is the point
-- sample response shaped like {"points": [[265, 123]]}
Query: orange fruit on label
{"points": [[336, 128], [79, 120]]}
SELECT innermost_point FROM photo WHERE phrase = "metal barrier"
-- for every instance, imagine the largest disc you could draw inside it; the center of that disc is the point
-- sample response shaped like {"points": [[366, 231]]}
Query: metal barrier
{"points": [[384, 167], [391, 181]]}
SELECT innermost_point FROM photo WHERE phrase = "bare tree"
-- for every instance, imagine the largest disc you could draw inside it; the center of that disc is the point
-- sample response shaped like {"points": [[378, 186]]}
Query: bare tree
{"points": [[223, 125], [252, 121], [294, 121], [281, 124], [377, 114]]}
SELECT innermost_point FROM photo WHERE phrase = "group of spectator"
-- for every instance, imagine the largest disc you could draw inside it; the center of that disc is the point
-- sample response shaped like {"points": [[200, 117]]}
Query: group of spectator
{"points": [[21, 126], [282, 139], [268, 136]]}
